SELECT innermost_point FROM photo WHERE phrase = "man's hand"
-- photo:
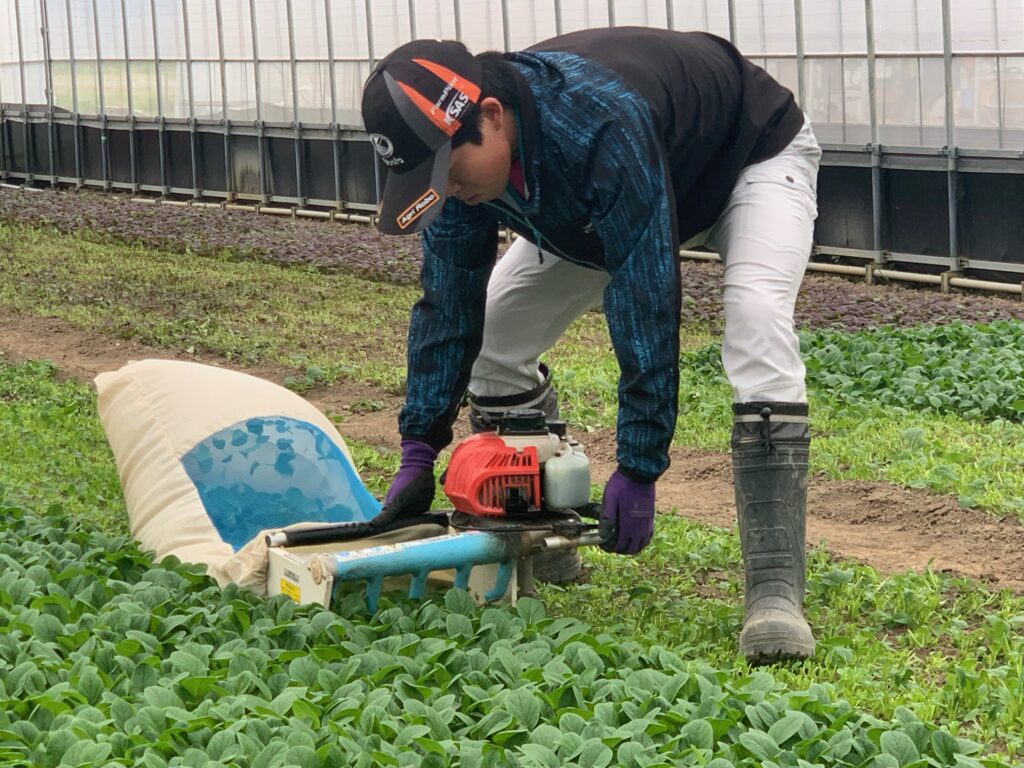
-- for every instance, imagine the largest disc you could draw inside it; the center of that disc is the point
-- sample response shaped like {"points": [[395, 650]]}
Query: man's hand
{"points": [[629, 512], [412, 490]]}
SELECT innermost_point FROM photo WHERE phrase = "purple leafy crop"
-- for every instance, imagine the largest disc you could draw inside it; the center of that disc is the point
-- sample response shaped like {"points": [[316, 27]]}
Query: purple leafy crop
{"points": [[824, 302]]}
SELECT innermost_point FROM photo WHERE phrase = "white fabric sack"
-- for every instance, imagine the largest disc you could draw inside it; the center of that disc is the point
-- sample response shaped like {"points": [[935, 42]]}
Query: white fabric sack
{"points": [[210, 459]]}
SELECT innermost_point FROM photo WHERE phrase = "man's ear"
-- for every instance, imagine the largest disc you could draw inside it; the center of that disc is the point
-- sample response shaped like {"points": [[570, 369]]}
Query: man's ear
{"points": [[493, 111]]}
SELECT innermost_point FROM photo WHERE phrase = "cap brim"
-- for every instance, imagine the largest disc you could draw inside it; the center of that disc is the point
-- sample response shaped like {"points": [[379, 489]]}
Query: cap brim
{"points": [[414, 198]]}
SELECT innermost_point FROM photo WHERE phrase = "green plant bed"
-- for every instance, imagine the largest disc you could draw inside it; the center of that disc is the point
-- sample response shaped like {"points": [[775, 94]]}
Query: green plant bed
{"points": [[54, 449], [79, 604], [107, 659], [946, 648]]}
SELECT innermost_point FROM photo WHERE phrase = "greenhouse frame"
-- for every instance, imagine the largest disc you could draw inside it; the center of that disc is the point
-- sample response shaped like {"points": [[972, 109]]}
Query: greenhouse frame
{"points": [[918, 105]]}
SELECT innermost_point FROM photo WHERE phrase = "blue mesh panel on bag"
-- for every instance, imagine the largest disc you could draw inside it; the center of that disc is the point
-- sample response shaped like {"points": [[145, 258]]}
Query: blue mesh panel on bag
{"points": [[273, 471]]}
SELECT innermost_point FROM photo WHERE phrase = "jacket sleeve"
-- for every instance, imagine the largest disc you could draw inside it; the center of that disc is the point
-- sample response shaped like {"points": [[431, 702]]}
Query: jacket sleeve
{"points": [[632, 212], [446, 324]]}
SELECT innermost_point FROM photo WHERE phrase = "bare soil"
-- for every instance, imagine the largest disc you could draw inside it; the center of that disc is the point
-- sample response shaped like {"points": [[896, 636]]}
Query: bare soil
{"points": [[887, 527]]}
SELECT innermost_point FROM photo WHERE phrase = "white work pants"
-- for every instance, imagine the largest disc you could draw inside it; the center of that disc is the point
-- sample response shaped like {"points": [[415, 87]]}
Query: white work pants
{"points": [[764, 237]]}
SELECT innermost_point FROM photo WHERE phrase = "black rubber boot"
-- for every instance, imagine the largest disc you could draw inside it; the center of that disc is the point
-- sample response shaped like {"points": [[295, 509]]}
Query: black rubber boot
{"points": [[770, 447], [560, 566]]}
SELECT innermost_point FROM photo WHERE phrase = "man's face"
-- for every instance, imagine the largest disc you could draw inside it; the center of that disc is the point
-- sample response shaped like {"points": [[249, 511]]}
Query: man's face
{"points": [[479, 172]]}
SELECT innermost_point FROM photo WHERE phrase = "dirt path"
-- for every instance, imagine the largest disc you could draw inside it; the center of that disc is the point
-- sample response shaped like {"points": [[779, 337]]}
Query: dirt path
{"points": [[888, 527]]}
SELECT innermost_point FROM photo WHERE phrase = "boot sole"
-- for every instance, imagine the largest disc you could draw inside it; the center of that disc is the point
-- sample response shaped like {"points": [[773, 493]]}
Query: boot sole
{"points": [[769, 647]]}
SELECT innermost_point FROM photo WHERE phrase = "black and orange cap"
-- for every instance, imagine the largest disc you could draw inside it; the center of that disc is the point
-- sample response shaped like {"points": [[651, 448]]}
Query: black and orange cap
{"points": [[413, 103]]}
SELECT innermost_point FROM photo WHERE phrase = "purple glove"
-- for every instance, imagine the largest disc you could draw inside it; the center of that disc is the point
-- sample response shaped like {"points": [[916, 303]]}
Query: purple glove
{"points": [[412, 490], [629, 512]]}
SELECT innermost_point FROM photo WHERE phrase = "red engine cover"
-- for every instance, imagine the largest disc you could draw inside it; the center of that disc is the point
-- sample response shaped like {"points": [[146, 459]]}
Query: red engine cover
{"points": [[484, 474]]}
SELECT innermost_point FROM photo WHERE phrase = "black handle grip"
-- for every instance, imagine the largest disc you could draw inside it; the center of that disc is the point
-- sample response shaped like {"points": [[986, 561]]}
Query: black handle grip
{"points": [[606, 528]]}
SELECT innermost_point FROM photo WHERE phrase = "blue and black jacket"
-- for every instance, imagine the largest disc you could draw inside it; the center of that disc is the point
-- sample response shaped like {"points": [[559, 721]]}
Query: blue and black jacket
{"points": [[631, 142]]}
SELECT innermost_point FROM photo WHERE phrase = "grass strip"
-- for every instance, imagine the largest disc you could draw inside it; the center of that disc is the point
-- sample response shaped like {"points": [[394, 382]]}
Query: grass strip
{"points": [[336, 326]]}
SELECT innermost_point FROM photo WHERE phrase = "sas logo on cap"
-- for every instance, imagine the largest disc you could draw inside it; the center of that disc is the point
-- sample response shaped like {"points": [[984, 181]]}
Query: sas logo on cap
{"points": [[456, 108], [417, 209], [385, 149]]}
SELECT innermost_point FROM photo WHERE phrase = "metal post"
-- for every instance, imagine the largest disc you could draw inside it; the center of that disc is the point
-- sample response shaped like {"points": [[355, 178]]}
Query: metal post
{"points": [[876, 153], [377, 181], [412, 19], [76, 119], [764, 38], [104, 136], [24, 97], [558, 17], [732, 21], [159, 102], [842, 66], [506, 33], [368, 4], [801, 79], [670, 10], [457, 8], [261, 149], [131, 100], [999, 73], [335, 141], [193, 138], [916, 26], [611, 13], [229, 182], [48, 63], [3, 136], [296, 122], [951, 172]]}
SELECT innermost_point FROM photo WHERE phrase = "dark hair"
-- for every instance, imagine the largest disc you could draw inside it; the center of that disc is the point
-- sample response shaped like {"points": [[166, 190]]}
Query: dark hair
{"points": [[499, 81]]}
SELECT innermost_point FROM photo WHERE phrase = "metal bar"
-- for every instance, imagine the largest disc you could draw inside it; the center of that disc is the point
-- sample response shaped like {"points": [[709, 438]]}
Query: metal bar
{"points": [[897, 54], [506, 33], [368, 4], [905, 54], [161, 136], [101, 93], [670, 10], [377, 182], [457, 10], [3, 137], [48, 59], [229, 183], [999, 72], [299, 186], [76, 128], [335, 142], [131, 101], [611, 13], [951, 177], [916, 27], [842, 95], [193, 140], [801, 79], [764, 40], [412, 19], [876, 168], [260, 139], [24, 97], [732, 21], [71, 57], [558, 17]]}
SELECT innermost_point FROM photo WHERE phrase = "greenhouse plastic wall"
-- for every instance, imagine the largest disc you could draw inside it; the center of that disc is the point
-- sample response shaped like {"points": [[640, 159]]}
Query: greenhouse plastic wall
{"points": [[918, 104]]}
